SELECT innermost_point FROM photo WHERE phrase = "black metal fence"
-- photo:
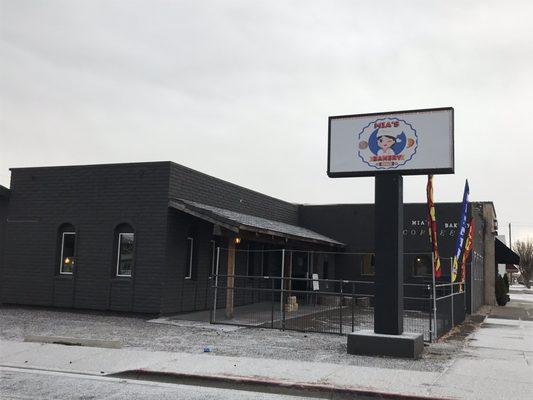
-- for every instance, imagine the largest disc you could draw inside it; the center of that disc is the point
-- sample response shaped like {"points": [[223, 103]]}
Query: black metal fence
{"points": [[450, 307], [281, 290], [311, 305]]}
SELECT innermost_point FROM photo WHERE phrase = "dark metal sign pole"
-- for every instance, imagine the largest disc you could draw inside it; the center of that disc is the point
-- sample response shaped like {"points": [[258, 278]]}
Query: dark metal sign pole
{"points": [[388, 303], [388, 337]]}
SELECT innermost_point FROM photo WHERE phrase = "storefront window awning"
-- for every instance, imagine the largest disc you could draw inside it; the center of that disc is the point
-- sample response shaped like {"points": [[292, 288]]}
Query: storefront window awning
{"points": [[504, 255], [236, 222]]}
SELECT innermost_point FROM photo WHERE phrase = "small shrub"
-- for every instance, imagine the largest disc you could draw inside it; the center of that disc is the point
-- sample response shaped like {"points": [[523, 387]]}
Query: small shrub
{"points": [[501, 291], [506, 282]]}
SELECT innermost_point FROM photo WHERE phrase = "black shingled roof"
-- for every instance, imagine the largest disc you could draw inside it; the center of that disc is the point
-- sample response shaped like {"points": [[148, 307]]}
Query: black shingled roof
{"points": [[236, 221]]}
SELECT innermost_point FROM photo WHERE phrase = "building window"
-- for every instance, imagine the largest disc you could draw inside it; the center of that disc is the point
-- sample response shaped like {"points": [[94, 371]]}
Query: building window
{"points": [[125, 251], [368, 262], [68, 251], [190, 258], [421, 265]]}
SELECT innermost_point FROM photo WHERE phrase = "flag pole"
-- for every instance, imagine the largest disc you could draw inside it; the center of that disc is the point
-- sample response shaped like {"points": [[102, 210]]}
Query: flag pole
{"points": [[434, 297]]}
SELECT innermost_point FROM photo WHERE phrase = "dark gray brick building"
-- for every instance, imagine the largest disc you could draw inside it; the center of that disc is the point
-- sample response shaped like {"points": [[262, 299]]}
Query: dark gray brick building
{"points": [[142, 237], [90, 208]]}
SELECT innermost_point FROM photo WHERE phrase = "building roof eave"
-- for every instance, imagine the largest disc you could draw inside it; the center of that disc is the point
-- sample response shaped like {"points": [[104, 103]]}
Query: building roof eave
{"points": [[235, 221]]}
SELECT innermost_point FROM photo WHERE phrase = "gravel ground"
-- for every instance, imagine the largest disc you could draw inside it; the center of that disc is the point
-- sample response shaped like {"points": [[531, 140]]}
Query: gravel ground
{"points": [[139, 332]]}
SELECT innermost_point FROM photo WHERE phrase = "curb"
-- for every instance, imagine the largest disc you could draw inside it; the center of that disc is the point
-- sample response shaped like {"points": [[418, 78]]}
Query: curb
{"points": [[68, 341], [266, 385]]}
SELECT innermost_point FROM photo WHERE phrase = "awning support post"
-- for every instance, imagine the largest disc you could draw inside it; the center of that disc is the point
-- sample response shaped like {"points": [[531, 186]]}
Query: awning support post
{"points": [[230, 279]]}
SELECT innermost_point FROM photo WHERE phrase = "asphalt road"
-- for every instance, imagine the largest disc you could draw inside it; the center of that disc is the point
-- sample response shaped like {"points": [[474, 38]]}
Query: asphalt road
{"points": [[36, 384]]}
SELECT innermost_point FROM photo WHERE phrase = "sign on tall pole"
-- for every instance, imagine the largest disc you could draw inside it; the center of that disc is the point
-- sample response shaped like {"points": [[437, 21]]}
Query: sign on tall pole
{"points": [[387, 146], [418, 142]]}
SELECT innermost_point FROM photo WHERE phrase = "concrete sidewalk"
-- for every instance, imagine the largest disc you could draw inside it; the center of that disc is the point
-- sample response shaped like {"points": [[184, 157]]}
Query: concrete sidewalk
{"points": [[497, 363], [99, 361]]}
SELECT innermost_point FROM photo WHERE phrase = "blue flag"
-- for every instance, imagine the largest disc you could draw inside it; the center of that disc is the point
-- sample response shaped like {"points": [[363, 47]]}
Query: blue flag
{"points": [[459, 244]]}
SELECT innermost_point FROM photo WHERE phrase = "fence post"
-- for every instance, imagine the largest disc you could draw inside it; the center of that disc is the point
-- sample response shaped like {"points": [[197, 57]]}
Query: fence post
{"points": [[281, 295], [215, 295], [353, 306], [283, 313], [434, 295], [452, 291], [272, 297], [340, 309], [207, 292], [208, 295], [429, 313], [195, 294]]}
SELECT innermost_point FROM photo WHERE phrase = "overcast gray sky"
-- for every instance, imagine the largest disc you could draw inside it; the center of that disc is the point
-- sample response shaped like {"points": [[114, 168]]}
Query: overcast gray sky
{"points": [[242, 89]]}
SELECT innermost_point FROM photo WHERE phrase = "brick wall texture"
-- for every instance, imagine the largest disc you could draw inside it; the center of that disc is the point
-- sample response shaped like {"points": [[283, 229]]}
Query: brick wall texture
{"points": [[96, 200]]}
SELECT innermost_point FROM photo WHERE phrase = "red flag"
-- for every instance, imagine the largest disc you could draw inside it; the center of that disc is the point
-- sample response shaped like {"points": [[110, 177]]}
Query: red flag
{"points": [[432, 225], [468, 248]]}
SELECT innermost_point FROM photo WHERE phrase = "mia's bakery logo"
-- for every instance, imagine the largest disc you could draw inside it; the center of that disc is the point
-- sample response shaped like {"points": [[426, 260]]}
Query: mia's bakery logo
{"points": [[387, 143]]}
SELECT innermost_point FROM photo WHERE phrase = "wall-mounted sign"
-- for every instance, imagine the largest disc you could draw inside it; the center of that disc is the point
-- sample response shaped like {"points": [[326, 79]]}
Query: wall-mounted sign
{"points": [[401, 142]]}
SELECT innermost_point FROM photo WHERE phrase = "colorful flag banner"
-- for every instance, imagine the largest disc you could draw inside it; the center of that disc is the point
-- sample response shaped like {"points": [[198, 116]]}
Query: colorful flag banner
{"points": [[459, 244], [468, 248], [432, 225]]}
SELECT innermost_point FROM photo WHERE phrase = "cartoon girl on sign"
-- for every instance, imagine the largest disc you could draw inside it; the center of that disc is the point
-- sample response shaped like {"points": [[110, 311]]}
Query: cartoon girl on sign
{"points": [[386, 144]]}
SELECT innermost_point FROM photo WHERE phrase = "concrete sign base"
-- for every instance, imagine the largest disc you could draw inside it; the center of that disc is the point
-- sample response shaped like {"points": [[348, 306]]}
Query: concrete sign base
{"points": [[366, 342]]}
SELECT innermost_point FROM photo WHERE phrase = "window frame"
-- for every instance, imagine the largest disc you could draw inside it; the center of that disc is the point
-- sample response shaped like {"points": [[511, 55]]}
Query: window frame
{"points": [[372, 255], [61, 272], [190, 256], [119, 245]]}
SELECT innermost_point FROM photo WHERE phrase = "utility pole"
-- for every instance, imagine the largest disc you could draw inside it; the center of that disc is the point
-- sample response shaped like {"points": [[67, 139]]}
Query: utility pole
{"points": [[511, 247], [510, 241]]}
